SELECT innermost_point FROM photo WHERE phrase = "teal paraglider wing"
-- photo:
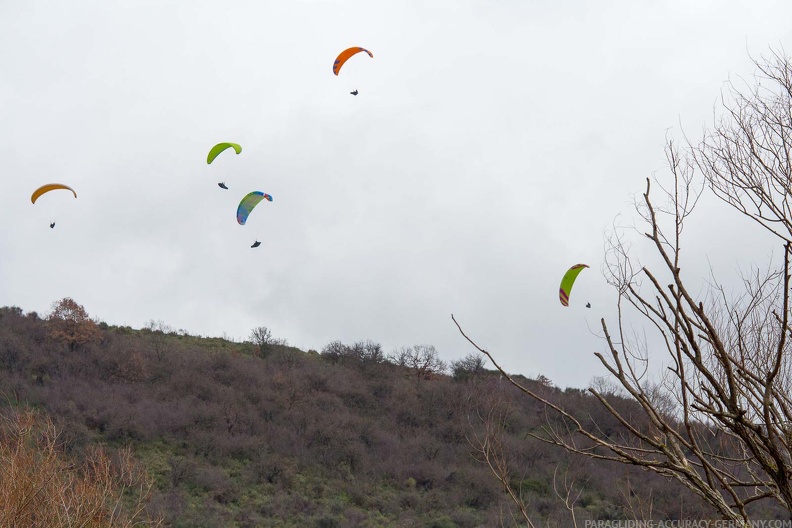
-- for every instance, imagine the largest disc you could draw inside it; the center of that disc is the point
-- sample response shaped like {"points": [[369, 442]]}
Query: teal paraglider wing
{"points": [[248, 203]]}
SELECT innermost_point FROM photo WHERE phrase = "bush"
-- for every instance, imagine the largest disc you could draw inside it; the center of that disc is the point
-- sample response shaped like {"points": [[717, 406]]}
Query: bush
{"points": [[42, 487]]}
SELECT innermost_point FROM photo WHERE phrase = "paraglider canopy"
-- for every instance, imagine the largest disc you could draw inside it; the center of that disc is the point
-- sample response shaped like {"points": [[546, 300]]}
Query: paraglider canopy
{"points": [[49, 187], [250, 201], [568, 281], [345, 55], [220, 147]]}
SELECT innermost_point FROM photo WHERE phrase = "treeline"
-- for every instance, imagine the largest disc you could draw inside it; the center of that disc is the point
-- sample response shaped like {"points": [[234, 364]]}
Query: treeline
{"points": [[263, 434]]}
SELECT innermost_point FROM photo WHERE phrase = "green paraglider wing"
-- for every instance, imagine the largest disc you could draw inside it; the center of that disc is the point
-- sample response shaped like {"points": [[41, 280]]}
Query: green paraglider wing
{"points": [[568, 281], [248, 203], [220, 147]]}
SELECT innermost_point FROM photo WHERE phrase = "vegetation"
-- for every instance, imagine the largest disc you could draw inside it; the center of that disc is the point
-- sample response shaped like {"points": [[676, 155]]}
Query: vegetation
{"points": [[41, 486], [346, 437]]}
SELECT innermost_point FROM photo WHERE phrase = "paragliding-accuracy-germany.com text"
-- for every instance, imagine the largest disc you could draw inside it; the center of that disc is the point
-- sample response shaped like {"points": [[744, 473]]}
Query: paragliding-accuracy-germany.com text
{"points": [[691, 523]]}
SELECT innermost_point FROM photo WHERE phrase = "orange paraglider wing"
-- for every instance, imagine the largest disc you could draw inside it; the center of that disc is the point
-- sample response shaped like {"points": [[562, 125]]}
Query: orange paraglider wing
{"points": [[345, 55], [49, 187]]}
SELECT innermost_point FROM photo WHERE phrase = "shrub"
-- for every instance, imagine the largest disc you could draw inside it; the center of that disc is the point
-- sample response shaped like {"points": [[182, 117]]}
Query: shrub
{"points": [[41, 487]]}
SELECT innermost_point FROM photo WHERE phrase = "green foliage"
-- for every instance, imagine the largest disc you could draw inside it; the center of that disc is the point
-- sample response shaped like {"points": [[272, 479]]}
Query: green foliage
{"points": [[442, 522], [329, 522], [533, 486]]}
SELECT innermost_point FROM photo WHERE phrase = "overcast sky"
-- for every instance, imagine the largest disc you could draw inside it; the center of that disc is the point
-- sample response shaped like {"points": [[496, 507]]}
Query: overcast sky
{"points": [[491, 147]]}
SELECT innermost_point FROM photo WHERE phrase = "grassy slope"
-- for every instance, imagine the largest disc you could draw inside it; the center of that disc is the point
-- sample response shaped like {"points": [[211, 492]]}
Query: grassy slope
{"points": [[295, 439]]}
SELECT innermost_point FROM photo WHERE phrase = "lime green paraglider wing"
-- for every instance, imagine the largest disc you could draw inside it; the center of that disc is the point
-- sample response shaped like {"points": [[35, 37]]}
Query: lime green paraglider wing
{"points": [[220, 147], [47, 188], [568, 281]]}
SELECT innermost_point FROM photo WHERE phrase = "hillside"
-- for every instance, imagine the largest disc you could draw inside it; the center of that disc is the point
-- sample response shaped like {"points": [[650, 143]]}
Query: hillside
{"points": [[242, 435]]}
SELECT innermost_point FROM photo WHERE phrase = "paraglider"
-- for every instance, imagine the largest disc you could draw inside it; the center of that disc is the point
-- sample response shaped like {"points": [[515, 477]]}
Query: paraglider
{"points": [[256, 244], [345, 55], [222, 185], [44, 189], [248, 203], [568, 281], [49, 187], [354, 93], [220, 147], [588, 305]]}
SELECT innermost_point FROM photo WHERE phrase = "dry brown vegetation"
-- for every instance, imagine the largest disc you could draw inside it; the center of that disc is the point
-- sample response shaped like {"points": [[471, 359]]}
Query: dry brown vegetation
{"points": [[41, 486]]}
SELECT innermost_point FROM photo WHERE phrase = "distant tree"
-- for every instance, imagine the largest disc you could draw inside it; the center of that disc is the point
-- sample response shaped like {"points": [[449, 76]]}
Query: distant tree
{"points": [[717, 419], [544, 381], [468, 367], [158, 329], [605, 386], [366, 352], [422, 360], [69, 322], [334, 350], [262, 337], [42, 487], [13, 311]]}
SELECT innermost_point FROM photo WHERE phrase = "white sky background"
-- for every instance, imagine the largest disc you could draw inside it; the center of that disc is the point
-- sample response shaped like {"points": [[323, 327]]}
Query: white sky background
{"points": [[490, 148]]}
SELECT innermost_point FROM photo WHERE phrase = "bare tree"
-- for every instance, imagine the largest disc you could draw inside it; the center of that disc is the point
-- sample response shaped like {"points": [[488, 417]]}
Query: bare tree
{"points": [[262, 337], [422, 360], [569, 493], [486, 439], [157, 335], [365, 353], [490, 416], [718, 419], [469, 367]]}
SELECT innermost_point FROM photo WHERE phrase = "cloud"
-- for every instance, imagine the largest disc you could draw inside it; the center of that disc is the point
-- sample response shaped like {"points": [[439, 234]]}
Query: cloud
{"points": [[489, 149]]}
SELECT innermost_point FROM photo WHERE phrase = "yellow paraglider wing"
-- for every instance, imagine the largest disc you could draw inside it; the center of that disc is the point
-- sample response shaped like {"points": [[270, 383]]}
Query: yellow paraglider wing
{"points": [[220, 147], [568, 281], [47, 188], [345, 55]]}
